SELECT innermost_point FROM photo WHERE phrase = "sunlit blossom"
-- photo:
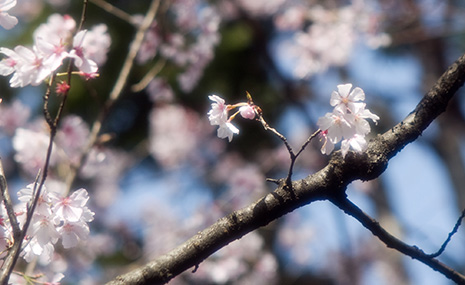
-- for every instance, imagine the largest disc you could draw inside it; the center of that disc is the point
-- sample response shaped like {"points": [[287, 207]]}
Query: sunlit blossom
{"points": [[347, 122]]}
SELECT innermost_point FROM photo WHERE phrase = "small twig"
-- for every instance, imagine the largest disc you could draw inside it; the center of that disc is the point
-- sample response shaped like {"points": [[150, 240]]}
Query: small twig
{"points": [[83, 15], [275, 181], [293, 156], [286, 143], [149, 76], [449, 237], [114, 11], [307, 142]]}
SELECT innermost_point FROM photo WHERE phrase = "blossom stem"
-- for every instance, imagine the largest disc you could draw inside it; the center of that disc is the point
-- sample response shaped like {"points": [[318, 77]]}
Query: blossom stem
{"points": [[233, 116], [286, 143]]}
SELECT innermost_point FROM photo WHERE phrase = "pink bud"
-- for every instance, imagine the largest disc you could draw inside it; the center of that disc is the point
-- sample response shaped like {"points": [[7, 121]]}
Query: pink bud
{"points": [[247, 112]]}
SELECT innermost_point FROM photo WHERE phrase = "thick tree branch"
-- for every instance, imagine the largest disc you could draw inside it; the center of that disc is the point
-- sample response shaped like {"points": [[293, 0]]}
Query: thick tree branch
{"points": [[329, 183]]}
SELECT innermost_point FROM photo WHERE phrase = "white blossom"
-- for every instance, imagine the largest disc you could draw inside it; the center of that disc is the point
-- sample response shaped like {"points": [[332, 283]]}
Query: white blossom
{"points": [[348, 121]]}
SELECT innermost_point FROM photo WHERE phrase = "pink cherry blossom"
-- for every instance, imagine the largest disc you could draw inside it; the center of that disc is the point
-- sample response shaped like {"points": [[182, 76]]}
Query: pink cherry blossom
{"points": [[336, 126], [328, 145], [71, 208], [61, 26], [96, 44], [29, 68], [6, 20], [227, 130], [52, 49], [30, 147], [80, 56], [71, 136], [8, 64], [348, 121], [55, 218], [219, 113], [13, 116], [43, 229], [71, 233], [25, 196], [357, 143], [346, 99]]}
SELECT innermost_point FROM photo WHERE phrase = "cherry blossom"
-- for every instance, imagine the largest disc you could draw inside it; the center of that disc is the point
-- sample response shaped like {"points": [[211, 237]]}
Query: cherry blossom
{"points": [[13, 116], [8, 64], [80, 56], [71, 136], [356, 142], [61, 26], [318, 37], [6, 20], [344, 98], [56, 217], [71, 208], [159, 90], [96, 43], [227, 130], [152, 41], [336, 126], [72, 232], [30, 147], [219, 111], [347, 122], [171, 127], [32, 65], [218, 115]]}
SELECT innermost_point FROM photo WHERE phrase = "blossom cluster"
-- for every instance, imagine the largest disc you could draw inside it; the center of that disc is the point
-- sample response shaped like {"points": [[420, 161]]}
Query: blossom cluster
{"points": [[322, 37], [55, 217], [218, 115], [347, 122], [190, 44], [53, 42]]}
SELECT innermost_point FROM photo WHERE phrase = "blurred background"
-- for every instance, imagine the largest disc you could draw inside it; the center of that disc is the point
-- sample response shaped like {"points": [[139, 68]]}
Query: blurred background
{"points": [[160, 174]]}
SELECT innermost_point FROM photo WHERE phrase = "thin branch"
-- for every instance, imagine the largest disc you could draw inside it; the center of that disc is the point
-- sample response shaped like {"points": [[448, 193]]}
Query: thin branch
{"points": [[117, 88], [286, 143], [329, 183], [114, 11], [83, 15], [293, 156], [310, 138], [392, 242], [149, 76], [449, 237], [8, 203]]}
